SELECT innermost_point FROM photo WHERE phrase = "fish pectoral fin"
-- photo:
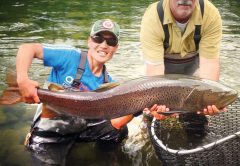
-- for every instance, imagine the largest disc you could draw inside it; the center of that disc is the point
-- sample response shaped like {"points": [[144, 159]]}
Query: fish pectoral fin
{"points": [[107, 86], [168, 113], [52, 108]]}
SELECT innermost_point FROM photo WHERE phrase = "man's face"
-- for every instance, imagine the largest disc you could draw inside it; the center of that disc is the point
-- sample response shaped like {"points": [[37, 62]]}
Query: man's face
{"points": [[182, 9], [102, 46]]}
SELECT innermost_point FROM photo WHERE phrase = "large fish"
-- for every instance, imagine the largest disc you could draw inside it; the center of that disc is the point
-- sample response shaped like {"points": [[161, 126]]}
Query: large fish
{"points": [[178, 92]]}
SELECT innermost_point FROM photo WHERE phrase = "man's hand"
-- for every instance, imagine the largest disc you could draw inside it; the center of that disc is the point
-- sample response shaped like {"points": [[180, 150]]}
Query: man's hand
{"points": [[211, 110], [28, 90]]}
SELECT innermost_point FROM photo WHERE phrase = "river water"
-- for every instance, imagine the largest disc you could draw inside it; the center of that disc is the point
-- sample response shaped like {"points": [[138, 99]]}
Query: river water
{"points": [[69, 22]]}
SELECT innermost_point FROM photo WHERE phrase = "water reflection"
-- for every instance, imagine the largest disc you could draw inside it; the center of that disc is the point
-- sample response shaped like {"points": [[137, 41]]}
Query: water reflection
{"points": [[68, 22]]}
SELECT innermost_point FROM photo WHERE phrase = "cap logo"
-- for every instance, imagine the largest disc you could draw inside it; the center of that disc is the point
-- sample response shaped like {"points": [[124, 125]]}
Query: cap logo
{"points": [[107, 24]]}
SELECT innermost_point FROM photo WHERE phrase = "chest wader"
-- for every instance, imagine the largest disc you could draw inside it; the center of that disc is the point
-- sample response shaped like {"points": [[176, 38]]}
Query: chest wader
{"points": [[40, 110], [51, 146], [174, 63], [186, 66]]}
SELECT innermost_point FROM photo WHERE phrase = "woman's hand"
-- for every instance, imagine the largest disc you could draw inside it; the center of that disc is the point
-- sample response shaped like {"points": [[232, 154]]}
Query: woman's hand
{"points": [[156, 110], [28, 90]]}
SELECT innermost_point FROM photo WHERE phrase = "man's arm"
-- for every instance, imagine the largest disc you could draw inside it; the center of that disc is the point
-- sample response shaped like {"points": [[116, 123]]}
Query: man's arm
{"points": [[151, 37], [152, 70], [26, 54], [209, 48], [209, 68]]}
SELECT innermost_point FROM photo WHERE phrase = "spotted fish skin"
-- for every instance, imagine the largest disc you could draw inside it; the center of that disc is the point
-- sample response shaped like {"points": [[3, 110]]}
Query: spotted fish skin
{"points": [[178, 92]]}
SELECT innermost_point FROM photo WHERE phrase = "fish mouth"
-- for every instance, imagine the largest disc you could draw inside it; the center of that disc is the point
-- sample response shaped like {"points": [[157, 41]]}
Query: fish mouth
{"points": [[184, 3], [231, 100], [228, 99]]}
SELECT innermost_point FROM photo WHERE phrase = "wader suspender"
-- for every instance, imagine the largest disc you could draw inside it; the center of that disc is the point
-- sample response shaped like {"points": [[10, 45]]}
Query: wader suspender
{"points": [[81, 69], [197, 33]]}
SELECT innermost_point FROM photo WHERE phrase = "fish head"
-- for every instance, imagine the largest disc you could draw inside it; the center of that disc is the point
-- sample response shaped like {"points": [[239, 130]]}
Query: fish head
{"points": [[226, 98], [220, 98]]}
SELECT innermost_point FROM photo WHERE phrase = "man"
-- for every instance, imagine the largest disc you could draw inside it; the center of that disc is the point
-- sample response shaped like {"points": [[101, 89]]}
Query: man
{"points": [[182, 37], [52, 135]]}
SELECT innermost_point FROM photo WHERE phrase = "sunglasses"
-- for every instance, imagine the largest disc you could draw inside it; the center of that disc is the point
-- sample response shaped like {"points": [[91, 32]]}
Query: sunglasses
{"points": [[110, 41]]}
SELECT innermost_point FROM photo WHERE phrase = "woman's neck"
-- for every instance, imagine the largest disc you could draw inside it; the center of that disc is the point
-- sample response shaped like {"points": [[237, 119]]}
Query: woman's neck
{"points": [[95, 66]]}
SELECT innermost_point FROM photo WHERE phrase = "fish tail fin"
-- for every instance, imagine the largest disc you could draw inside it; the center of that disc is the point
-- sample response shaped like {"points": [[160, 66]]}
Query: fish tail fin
{"points": [[12, 94]]}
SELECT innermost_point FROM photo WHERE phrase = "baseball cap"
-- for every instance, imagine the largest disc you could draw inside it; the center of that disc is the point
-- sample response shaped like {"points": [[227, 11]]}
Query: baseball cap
{"points": [[106, 25]]}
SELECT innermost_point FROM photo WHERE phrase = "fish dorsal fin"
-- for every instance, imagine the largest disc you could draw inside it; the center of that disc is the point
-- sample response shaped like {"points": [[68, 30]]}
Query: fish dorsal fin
{"points": [[107, 86], [55, 87]]}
